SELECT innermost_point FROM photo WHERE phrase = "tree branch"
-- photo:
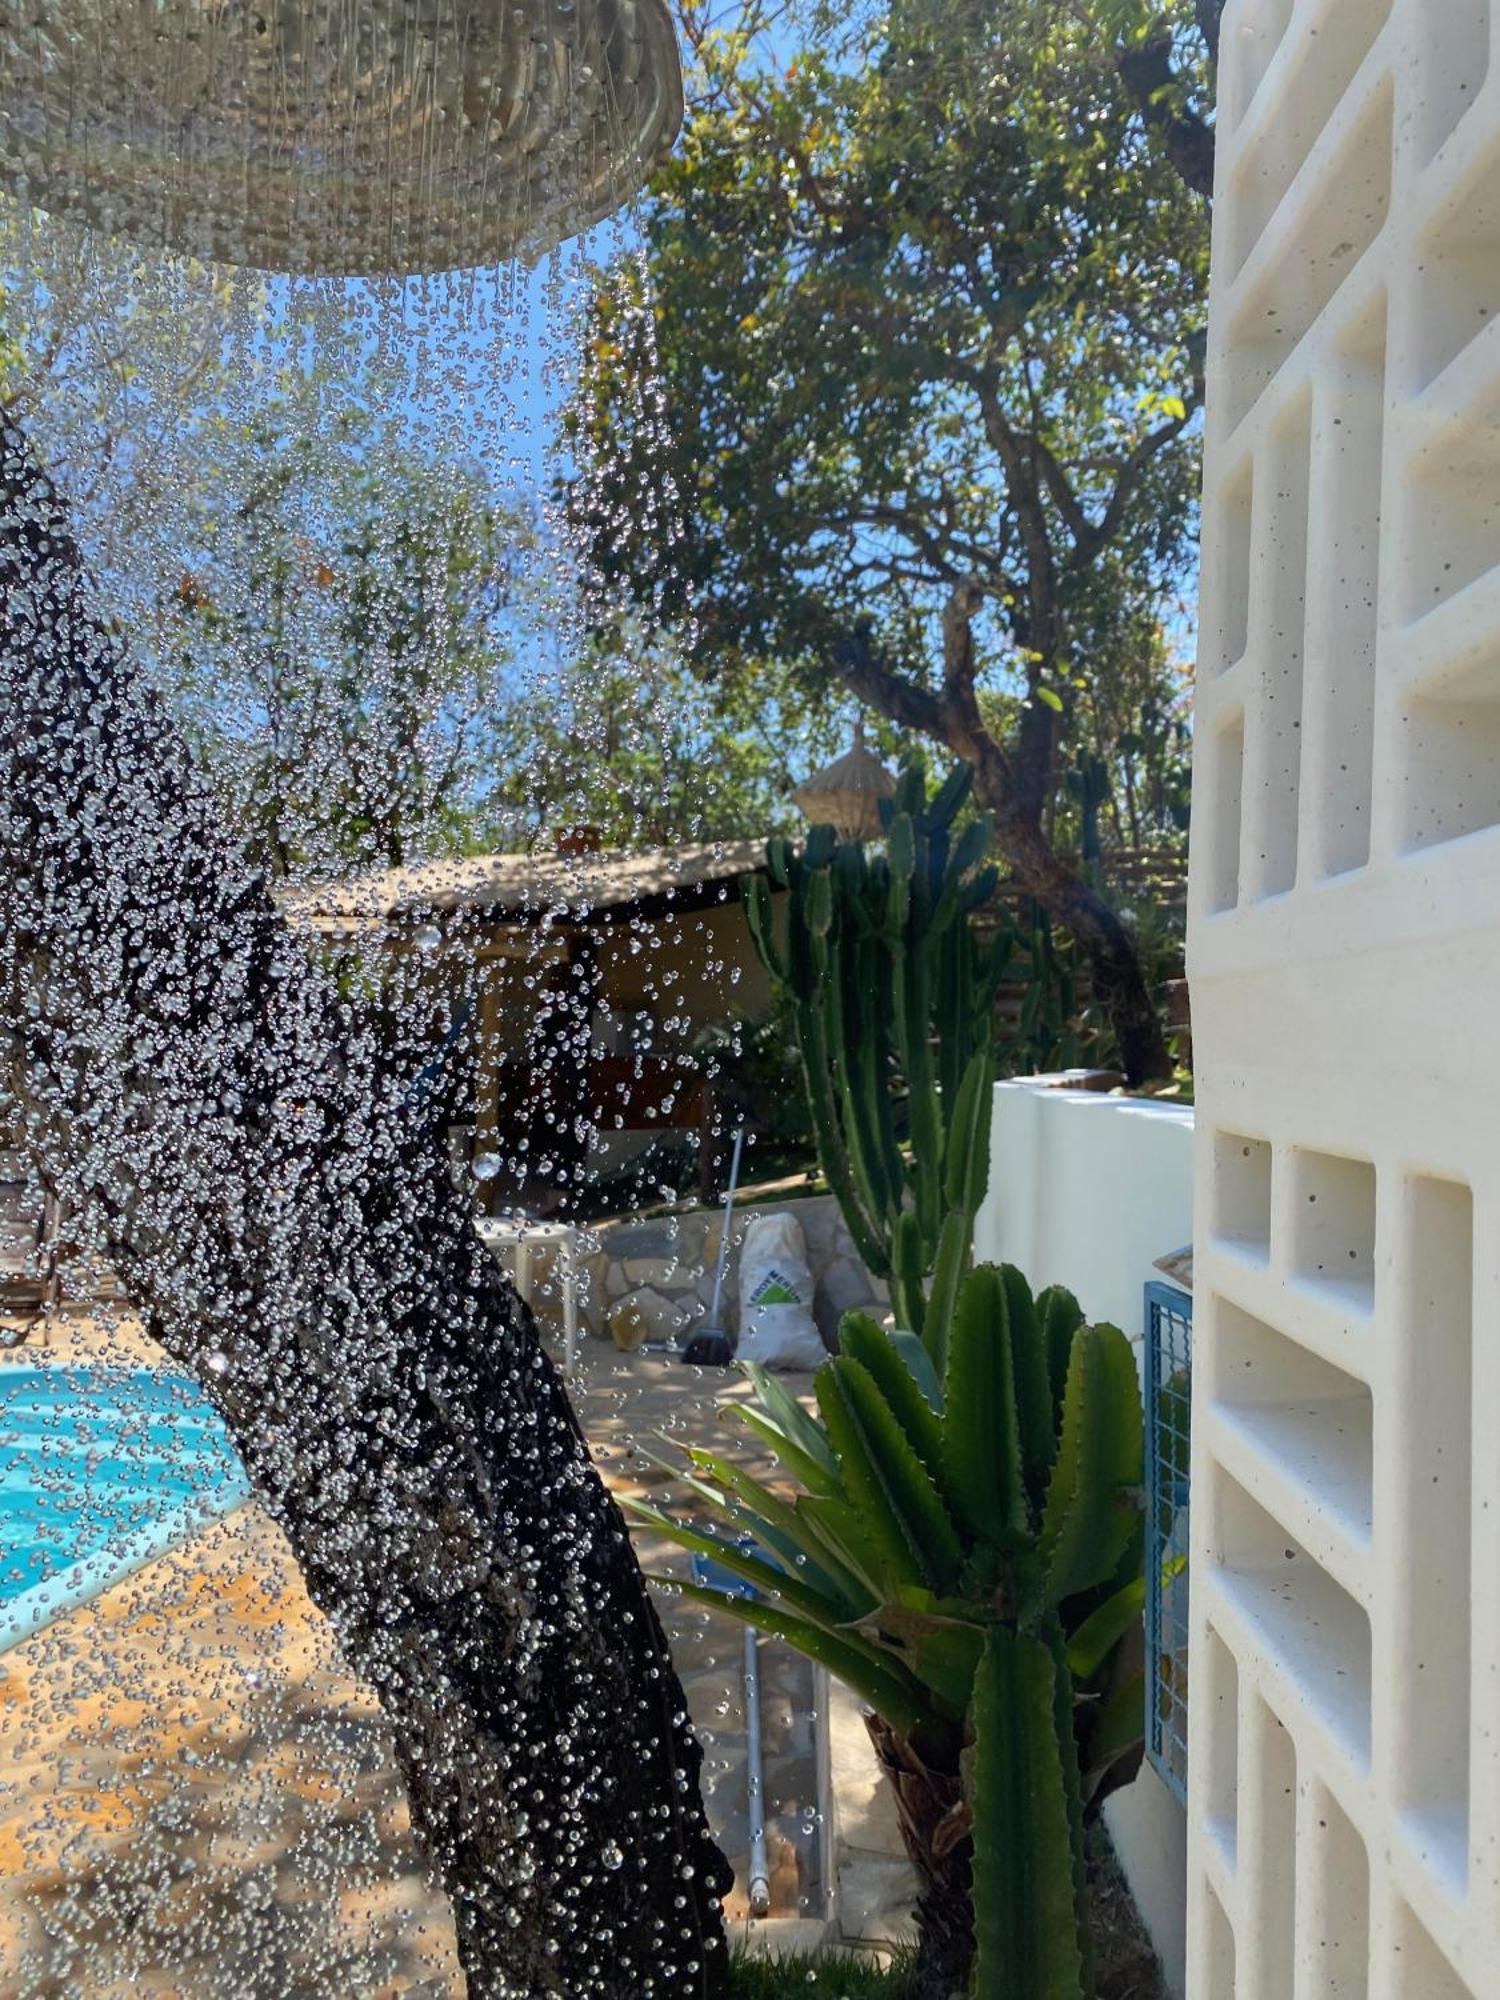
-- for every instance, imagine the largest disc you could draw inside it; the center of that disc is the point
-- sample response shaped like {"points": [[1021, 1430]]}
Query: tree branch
{"points": [[1146, 70]]}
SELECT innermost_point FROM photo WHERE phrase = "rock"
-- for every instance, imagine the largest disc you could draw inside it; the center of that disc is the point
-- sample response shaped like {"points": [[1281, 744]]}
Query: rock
{"points": [[642, 1239], [651, 1270], [645, 1314]]}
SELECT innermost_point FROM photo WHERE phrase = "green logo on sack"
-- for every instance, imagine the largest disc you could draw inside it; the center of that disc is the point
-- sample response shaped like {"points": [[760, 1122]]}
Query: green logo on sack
{"points": [[774, 1290]]}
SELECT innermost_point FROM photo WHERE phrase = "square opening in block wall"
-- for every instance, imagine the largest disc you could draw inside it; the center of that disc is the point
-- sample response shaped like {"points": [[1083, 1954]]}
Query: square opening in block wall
{"points": [[1333, 1226], [1319, 1635], [1262, 24], [1453, 515], [1219, 1949], [1242, 1194], [1339, 1936], [1455, 61], [1459, 265], [1450, 759], [1314, 260], [1422, 1972], [1311, 1421], [1224, 808], [1323, 65], [1217, 1679], [1227, 624]]}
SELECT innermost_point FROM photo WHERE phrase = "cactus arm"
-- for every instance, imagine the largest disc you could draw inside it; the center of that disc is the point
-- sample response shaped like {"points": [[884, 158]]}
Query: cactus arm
{"points": [[885, 1479], [966, 1163], [908, 1274], [1025, 1909], [755, 894], [950, 1268], [1091, 1512], [981, 1435], [1063, 1714], [862, 1340], [1028, 1361], [1060, 1316]]}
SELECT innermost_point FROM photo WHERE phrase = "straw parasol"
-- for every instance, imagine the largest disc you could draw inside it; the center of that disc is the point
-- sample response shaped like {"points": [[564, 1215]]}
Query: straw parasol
{"points": [[847, 795]]}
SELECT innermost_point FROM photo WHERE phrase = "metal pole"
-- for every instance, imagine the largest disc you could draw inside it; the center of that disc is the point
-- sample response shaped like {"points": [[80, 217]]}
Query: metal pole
{"points": [[760, 1872]]}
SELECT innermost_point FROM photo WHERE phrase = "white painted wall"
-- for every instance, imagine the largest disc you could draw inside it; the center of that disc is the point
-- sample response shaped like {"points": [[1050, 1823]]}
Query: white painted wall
{"points": [[1087, 1190], [1344, 956]]}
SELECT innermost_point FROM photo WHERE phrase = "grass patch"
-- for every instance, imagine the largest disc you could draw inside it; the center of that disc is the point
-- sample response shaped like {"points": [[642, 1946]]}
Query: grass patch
{"points": [[825, 1975]]}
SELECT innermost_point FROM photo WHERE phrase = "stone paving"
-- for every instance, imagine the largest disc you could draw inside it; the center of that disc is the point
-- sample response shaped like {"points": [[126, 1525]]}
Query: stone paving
{"points": [[197, 1799]]}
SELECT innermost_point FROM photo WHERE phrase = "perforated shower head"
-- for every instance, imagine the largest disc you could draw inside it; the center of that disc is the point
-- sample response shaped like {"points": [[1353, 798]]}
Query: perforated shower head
{"points": [[354, 137]]}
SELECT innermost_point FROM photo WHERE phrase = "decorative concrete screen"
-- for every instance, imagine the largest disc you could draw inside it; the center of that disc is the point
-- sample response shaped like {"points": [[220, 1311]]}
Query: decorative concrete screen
{"points": [[1345, 957]]}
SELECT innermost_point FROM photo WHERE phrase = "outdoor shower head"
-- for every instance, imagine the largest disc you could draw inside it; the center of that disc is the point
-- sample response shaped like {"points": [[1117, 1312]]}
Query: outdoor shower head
{"points": [[346, 137]]}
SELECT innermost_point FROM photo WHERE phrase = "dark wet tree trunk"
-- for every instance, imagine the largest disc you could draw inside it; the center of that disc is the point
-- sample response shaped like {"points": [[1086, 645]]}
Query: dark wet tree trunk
{"points": [[195, 1086]]}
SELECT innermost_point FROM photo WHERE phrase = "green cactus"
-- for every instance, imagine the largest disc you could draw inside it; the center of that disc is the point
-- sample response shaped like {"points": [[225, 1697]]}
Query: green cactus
{"points": [[893, 996], [965, 1551]]}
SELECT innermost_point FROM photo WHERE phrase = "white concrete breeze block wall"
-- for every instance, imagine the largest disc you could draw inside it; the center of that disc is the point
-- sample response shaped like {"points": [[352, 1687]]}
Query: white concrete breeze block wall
{"points": [[1344, 953]]}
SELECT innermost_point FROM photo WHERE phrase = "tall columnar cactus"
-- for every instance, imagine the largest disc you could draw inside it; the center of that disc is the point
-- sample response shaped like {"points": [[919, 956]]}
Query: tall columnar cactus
{"points": [[893, 996], [966, 1553]]}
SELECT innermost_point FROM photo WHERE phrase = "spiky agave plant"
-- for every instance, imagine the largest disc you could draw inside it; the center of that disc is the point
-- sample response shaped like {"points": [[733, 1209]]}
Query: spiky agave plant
{"points": [[961, 1542]]}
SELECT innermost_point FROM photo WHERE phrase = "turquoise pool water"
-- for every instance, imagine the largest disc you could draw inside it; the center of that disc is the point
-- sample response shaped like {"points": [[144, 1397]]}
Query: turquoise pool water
{"points": [[100, 1470]]}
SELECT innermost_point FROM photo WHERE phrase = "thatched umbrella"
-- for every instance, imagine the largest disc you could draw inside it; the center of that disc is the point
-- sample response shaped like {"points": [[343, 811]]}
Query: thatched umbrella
{"points": [[847, 794]]}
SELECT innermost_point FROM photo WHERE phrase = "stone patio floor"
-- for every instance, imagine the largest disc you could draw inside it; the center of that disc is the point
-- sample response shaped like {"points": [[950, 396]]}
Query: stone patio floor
{"points": [[197, 1799]]}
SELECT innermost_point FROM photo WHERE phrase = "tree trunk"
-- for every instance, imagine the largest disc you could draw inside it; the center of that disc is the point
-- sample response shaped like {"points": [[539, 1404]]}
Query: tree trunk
{"points": [[1118, 975], [280, 1209], [953, 719], [934, 1824]]}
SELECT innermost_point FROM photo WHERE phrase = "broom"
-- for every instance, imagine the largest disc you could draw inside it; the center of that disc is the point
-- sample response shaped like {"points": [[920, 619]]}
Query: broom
{"points": [[710, 1346]]}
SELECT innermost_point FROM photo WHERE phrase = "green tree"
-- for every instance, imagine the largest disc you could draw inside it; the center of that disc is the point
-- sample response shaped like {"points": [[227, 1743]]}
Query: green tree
{"points": [[338, 637], [912, 362], [626, 739]]}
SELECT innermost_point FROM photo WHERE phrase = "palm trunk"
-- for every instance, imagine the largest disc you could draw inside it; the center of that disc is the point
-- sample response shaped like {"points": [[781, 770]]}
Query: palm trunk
{"points": [[934, 1824], [195, 1088]]}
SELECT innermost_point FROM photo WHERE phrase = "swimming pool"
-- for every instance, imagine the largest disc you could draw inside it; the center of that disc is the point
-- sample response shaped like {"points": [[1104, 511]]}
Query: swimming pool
{"points": [[101, 1469]]}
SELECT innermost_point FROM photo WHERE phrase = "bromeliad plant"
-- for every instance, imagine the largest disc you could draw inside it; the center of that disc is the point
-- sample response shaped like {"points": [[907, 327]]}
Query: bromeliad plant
{"points": [[964, 1549], [892, 991]]}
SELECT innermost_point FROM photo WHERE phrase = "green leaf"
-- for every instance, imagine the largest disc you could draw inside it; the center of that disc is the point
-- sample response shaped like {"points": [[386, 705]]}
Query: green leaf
{"points": [[766, 1513], [880, 1682], [1096, 1638], [812, 1472], [767, 1578], [1050, 697], [981, 1437], [885, 1479], [1113, 1730], [1025, 1914], [788, 1414], [1092, 1498]]}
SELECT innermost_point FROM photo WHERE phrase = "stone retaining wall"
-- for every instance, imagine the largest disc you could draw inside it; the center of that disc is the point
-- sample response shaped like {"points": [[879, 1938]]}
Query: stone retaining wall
{"points": [[665, 1264]]}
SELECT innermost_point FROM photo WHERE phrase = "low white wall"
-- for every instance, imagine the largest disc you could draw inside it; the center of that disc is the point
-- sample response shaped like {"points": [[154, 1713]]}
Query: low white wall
{"points": [[1087, 1190]]}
